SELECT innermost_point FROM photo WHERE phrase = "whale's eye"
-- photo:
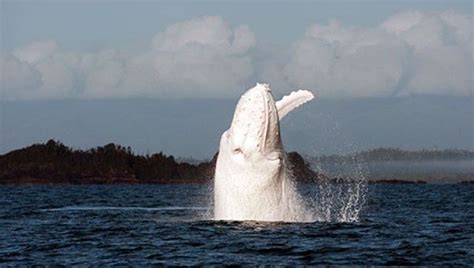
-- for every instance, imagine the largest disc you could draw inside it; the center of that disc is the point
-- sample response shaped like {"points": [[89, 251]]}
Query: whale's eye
{"points": [[274, 156], [237, 151]]}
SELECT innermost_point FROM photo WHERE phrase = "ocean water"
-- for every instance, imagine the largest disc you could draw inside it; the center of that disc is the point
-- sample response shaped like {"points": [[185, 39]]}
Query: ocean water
{"points": [[172, 224]]}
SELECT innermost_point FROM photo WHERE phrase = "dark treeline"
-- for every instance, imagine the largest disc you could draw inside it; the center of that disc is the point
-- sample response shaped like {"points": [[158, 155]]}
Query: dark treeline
{"points": [[396, 154], [54, 162]]}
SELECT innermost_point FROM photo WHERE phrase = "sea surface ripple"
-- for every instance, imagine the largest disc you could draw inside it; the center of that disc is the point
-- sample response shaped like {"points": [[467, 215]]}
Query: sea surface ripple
{"points": [[172, 224]]}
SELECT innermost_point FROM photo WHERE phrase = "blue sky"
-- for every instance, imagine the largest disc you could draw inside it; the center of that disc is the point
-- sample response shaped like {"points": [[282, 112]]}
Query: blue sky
{"points": [[385, 73], [94, 24], [339, 49]]}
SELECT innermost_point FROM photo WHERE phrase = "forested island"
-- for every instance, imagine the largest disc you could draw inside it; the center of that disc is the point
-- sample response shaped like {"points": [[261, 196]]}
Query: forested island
{"points": [[56, 163]]}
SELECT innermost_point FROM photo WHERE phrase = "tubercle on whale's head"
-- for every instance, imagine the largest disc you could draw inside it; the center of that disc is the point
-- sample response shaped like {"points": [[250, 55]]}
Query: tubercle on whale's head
{"points": [[255, 129]]}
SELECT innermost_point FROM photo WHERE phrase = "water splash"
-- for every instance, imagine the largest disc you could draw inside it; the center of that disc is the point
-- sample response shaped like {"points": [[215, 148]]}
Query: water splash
{"points": [[340, 197], [340, 200], [327, 200]]}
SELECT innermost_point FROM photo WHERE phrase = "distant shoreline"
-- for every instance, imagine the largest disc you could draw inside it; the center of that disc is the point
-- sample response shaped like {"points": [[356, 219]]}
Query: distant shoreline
{"points": [[54, 163], [191, 182]]}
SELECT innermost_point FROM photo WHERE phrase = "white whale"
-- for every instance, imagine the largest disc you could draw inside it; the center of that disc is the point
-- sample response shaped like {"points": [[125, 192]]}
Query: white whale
{"points": [[251, 181]]}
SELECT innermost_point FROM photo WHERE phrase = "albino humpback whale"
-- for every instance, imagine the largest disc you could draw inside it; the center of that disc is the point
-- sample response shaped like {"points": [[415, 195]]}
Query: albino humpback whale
{"points": [[251, 180]]}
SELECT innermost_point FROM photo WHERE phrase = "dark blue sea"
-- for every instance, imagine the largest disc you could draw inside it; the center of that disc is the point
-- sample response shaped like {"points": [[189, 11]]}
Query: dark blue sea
{"points": [[172, 224]]}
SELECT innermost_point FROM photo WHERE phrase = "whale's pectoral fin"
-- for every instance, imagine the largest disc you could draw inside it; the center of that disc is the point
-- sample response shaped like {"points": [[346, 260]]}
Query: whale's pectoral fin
{"points": [[292, 101]]}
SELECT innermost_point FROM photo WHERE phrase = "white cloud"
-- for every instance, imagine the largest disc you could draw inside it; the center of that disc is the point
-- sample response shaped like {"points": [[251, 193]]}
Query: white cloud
{"points": [[203, 57], [17, 78], [55, 72], [442, 57], [36, 51], [409, 53]]}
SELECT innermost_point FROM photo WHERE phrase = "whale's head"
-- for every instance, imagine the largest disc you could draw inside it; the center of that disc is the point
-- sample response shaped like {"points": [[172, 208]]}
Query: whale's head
{"points": [[250, 180], [253, 139]]}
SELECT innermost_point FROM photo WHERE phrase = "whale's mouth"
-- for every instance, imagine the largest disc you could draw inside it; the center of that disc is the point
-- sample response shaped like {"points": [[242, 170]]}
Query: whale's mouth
{"points": [[255, 126]]}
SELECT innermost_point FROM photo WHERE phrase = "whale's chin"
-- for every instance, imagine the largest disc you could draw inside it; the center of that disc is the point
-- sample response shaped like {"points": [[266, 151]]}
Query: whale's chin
{"points": [[242, 195]]}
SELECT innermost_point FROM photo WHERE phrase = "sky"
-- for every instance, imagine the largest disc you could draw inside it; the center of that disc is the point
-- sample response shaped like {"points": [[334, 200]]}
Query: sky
{"points": [[94, 24], [192, 127], [184, 50]]}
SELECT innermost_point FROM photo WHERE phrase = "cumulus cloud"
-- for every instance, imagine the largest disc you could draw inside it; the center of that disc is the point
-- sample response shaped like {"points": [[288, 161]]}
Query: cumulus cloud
{"points": [[201, 57], [409, 53], [18, 79]]}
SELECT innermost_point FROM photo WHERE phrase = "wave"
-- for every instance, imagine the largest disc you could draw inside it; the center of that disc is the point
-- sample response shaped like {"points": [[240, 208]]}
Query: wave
{"points": [[87, 208]]}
